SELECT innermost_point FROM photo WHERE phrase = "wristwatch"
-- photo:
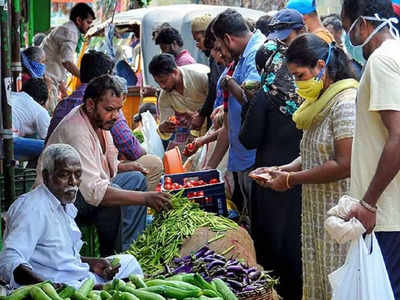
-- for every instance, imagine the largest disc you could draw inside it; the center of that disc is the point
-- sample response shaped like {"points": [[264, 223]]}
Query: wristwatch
{"points": [[225, 80]]}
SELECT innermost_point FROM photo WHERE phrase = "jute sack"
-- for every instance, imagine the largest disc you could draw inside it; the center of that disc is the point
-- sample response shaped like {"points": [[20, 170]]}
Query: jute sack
{"points": [[239, 238]]}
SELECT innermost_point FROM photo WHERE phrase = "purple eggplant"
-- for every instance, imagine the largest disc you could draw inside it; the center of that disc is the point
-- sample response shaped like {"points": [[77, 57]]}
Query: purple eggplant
{"points": [[183, 269], [254, 275], [220, 257], [217, 271], [215, 263], [209, 252], [201, 252], [235, 269], [231, 274], [248, 271], [249, 288], [236, 285]]}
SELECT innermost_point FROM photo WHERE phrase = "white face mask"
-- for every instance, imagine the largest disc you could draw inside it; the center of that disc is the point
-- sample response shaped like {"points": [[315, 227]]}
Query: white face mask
{"points": [[385, 22]]}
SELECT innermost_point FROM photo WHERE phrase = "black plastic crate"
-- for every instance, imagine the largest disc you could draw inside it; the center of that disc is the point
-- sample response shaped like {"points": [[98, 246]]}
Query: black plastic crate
{"points": [[214, 199], [24, 180]]}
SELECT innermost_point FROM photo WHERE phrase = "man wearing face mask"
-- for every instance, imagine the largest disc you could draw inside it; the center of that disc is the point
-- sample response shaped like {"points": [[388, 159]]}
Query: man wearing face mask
{"points": [[32, 60], [42, 241], [375, 161]]}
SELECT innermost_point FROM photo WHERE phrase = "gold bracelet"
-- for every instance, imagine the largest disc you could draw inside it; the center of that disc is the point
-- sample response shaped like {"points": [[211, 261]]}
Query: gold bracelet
{"points": [[368, 206], [287, 180]]}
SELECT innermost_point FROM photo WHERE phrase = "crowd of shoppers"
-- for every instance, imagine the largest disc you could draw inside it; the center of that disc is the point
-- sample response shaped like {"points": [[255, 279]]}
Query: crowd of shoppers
{"points": [[302, 110]]}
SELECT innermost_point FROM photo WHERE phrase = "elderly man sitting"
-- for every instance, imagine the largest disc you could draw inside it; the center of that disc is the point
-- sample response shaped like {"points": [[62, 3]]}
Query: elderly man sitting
{"points": [[42, 240]]}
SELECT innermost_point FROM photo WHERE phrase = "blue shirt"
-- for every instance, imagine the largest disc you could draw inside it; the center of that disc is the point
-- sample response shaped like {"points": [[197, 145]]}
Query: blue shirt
{"points": [[219, 99], [241, 159]]}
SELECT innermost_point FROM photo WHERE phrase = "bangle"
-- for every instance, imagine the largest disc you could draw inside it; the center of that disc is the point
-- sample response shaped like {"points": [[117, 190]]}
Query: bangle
{"points": [[287, 180], [368, 206]]}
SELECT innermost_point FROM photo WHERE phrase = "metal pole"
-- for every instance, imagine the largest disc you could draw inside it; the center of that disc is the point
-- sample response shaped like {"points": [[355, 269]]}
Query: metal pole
{"points": [[8, 161], [16, 67]]}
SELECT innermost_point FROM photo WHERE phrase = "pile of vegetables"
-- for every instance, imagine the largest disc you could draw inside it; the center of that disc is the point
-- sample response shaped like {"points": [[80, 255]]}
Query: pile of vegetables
{"points": [[160, 243], [188, 286], [210, 265]]}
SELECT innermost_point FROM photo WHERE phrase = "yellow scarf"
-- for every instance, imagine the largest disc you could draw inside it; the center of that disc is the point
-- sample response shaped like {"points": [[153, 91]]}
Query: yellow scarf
{"points": [[308, 111]]}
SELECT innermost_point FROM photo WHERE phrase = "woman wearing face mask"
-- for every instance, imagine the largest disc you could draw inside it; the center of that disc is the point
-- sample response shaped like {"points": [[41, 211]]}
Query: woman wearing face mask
{"points": [[325, 80], [268, 127]]}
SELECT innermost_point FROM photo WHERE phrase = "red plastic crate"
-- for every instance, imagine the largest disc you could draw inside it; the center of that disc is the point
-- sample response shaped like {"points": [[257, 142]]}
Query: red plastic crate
{"points": [[214, 199]]}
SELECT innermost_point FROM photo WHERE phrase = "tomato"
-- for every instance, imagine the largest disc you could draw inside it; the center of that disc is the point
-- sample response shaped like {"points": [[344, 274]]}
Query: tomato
{"points": [[193, 182], [200, 194], [158, 188], [173, 120], [214, 181], [190, 147], [187, 185], [168, 180], [201, 182], [176, 186], [191, 195], [168, 186]]}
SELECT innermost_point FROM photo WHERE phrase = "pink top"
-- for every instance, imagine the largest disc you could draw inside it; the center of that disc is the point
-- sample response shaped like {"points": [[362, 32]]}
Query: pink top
{"points": [[184, 58], [98, 168]]}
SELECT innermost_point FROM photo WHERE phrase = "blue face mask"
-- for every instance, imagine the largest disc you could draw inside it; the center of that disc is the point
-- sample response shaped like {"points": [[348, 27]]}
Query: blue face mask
{"points": [[384, 22], [355, 52], [36, 69]]}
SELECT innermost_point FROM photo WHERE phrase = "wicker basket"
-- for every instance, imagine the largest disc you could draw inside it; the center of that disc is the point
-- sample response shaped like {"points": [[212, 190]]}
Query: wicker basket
{"points": [[259, 294]]}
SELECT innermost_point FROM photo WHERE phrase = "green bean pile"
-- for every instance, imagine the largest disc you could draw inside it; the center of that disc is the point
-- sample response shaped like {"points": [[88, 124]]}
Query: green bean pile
{"points": [[160, 242]]}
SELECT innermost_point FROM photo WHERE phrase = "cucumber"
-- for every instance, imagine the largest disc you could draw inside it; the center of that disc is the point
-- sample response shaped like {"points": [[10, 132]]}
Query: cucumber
{"points": [[173, 292], [137, 281], [67, 292], [211, 293], [115, 261], [86, 287], [94, 295], [144, 295], [176, 284], [202, 283], [131, 285], [127, 288], [20, 293], [209, 298], [118, 284], [78, 296], [224, 290], [178, 277], [105, 295], [108, 286], [128, 296], [24, 291], [116, 296], [38, 294], [51, 291]]}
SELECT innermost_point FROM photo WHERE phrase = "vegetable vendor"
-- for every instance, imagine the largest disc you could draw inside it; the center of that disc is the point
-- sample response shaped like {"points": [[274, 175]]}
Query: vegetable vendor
{"points": [[184, 90], [112, 194], [42, 240]]}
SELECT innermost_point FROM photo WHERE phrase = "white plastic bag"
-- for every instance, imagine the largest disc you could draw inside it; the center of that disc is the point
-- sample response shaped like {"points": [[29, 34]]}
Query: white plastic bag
{"points": [[152, 142], [364, 275]]}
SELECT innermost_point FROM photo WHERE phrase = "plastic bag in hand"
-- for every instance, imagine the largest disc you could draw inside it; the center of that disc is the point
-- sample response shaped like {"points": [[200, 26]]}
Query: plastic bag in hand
{"points": [[364, 275]]}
